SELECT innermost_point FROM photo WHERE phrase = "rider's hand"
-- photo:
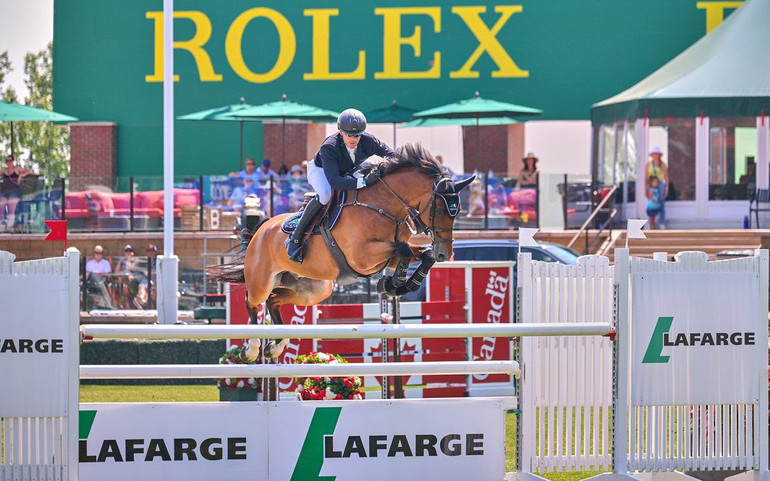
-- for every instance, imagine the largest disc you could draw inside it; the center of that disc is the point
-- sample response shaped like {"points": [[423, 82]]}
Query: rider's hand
{"points": [[372, 176]]}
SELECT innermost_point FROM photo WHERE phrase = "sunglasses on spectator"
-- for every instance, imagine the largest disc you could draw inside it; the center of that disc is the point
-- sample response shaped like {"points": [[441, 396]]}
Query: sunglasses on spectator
{"points": [[129, 250]]}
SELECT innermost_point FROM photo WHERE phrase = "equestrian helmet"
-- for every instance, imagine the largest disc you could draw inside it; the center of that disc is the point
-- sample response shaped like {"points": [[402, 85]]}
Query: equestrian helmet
{"points": [[352, 122]]}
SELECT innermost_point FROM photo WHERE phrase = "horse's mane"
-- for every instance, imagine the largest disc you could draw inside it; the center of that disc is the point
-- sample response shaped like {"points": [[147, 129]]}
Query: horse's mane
{"points": [[412, 155]]}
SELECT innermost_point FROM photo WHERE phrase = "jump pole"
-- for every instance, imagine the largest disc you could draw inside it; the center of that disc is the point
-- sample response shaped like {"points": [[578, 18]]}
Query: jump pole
{"points": [[344, 331]]}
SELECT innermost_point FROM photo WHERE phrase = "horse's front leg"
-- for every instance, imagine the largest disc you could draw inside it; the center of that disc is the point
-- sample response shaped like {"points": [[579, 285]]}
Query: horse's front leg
{"points": [[425, 255], [389, 284]]}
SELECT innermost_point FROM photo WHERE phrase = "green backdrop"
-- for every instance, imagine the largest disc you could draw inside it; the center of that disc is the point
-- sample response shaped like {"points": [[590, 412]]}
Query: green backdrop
{"points": [[560, 56]]}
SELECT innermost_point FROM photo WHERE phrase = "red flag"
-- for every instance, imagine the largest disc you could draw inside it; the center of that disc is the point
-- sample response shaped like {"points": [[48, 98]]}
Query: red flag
{"points": [[58, 231]]}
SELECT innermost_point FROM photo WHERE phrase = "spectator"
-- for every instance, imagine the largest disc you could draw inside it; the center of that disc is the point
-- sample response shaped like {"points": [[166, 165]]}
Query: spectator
{"points": [[235, 202], [10, 191], [657, 168], [149, 282], [249, 172], [528, 174], [265, 172], [137, 282], [653, 201], [449, 171], [476, 199], [98, 265], [97, 270]]}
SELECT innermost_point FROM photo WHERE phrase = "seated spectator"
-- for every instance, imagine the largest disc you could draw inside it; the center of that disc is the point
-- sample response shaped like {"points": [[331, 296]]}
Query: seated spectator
{"points": [[10, 191], [529, 172], [265, 172], [476, 199], [238, 196], [248, 172], [137, 281], [97, 270]]}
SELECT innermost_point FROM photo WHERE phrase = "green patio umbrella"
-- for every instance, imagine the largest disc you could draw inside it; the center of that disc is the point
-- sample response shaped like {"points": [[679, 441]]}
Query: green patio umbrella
{"points": [[283, 110], [462, 122], [11, 112], [475, 109], [221, 113], [392, 114]]}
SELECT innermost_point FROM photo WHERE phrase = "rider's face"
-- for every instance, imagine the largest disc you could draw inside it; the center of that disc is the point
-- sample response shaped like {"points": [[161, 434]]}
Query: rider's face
{"points": [[350, 141]]}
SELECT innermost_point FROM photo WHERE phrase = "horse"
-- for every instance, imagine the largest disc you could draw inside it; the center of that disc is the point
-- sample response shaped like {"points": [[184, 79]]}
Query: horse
{"points": [[413, 194]]}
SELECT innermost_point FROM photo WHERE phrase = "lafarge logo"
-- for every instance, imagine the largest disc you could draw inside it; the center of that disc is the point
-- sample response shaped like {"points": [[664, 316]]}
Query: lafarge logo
{"points": [[662, 338], [321, 444], [41, 346], [155, 449]]}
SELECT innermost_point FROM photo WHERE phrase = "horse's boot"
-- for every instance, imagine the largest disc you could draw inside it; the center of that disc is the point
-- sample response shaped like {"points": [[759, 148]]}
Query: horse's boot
{"points": [[295, 243]]}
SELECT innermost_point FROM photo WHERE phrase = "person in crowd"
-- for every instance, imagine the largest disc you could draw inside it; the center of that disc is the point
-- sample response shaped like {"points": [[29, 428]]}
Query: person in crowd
{"points": [[653, 201], [238, 196], [265, 172], [476, 199], [528, 174], [657, 168], [137, 282], [98, 265], [298, 187], [149, 281], [97, 270], [335, 166], [449, 171], [10, 191], [249, 172]]}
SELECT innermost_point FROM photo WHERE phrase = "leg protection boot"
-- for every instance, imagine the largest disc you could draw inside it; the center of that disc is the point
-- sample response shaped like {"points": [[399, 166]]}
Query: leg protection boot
{"points": [[294, 244]]}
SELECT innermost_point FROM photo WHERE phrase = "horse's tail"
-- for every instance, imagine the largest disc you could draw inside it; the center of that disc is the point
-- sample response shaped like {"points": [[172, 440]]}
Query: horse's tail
{"points": [[233, 271]]}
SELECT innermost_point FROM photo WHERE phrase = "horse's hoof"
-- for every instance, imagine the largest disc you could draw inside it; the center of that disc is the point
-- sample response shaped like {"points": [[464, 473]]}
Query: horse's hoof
{"points": [[250, 352], [274, 349]]}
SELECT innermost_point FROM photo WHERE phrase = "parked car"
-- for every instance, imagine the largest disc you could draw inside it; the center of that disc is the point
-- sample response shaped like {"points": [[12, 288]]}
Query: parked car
{"points": [[499, 250]]}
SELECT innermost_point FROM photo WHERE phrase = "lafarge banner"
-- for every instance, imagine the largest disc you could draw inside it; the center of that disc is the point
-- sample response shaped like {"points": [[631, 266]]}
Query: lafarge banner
{"points": [[695, 338], [455, 439]]}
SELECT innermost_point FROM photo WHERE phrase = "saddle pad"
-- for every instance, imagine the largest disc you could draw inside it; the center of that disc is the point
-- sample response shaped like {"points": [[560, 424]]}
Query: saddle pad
{"points": [[331, 218]]}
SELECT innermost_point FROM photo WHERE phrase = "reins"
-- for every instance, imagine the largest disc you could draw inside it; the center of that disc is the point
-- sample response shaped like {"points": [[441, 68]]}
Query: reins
{"points": [[413, 221]]}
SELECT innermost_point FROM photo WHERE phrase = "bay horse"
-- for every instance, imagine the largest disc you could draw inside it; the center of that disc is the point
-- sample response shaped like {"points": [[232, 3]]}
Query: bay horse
{"points": [[372, 232]]}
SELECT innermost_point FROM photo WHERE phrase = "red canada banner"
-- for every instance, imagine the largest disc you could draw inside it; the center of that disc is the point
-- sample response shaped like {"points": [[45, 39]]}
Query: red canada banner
{"points": [[491, 298]]}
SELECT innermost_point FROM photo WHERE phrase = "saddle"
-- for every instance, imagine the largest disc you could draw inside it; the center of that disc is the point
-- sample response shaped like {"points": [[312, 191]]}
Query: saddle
{"points": [[323, 224], [328, 216]]}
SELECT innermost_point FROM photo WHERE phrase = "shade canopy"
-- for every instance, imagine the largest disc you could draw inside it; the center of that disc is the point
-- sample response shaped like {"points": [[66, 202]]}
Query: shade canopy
{"points": [[285, 109], [11, 112], [218, 113], [482, 122], [477, 107], [724, 74], [392, 114]]}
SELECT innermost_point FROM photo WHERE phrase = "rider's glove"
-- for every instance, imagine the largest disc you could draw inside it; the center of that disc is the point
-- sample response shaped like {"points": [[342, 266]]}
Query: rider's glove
{"points": [[360, 183], [372, 176]]}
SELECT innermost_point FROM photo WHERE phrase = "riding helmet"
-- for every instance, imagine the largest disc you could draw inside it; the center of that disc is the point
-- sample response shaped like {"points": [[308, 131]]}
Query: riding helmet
{"points": [[352, 122]]}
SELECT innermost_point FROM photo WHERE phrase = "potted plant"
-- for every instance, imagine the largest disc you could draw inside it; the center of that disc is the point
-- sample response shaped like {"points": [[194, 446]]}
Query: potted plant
{"points": [[241, 388], [326, 388]]}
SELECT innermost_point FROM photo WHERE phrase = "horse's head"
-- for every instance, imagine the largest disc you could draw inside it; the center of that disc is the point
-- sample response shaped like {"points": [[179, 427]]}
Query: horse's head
{"points": [[444, 207]]}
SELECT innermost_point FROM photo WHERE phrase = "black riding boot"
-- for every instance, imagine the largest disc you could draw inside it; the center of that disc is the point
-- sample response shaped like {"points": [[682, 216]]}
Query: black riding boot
{"points": [[294, 244]]}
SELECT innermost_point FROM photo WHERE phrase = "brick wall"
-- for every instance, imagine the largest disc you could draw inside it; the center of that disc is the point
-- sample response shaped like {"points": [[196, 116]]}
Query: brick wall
{"points": [[94, 153], [495, 147], [301, 141]]}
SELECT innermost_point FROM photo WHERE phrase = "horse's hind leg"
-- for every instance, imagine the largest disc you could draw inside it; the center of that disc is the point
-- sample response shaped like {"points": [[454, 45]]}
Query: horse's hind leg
{"points": [[301, 292], [251, 351]]}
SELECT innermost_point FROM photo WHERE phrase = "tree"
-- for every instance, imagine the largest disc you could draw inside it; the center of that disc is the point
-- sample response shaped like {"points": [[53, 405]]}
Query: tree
{"points": [[41, 146], [7, 94]]}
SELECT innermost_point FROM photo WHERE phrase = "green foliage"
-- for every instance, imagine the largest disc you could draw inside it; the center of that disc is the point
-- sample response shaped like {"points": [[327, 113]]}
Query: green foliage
{"points": [[40, 146]]}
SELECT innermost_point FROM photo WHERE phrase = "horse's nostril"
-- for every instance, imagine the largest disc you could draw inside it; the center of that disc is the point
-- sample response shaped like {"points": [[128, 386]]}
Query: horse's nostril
{"points": [[441, 258]]}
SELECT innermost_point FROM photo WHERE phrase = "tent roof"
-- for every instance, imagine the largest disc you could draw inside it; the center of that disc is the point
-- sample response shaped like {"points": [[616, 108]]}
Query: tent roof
{"points": [[724, 74]]}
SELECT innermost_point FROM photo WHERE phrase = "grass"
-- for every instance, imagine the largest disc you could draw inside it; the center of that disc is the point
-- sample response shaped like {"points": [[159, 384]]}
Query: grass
{"points": [[198, 393]]}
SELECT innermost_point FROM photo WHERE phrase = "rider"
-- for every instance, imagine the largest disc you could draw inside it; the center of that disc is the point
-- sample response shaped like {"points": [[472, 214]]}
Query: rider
{"points": [[334, 166]]}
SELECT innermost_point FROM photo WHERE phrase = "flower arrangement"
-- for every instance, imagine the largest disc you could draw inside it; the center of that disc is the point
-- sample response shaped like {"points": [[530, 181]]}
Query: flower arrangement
{"points": [[326, 388], [233, 356]]}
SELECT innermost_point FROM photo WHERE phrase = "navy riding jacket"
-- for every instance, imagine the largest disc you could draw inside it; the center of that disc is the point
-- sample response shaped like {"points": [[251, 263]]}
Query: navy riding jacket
{"points": [[334, 158]]}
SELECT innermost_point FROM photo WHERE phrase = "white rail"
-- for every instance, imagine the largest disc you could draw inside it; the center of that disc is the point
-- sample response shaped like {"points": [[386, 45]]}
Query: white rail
{"points": [[344, 331], [197, 371]]}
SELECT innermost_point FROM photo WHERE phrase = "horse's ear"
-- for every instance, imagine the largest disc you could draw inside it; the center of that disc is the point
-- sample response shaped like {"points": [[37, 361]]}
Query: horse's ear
{"points": [[461, 184]]}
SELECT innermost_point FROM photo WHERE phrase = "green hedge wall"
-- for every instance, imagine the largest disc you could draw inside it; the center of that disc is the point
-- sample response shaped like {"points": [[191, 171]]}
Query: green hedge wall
{"points": [[151, 352]]}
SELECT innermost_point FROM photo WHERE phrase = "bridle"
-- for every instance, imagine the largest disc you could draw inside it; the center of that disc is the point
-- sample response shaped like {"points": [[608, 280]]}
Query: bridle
{"points": [[413, 220]]}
